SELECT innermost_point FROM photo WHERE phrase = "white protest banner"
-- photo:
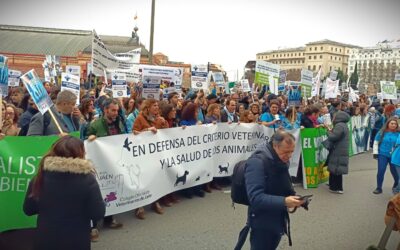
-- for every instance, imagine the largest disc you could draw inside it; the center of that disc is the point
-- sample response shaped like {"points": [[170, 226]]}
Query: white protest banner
{"points": [[151, 87], [245, 85], [170, 76], [3, 75], [102, 59], [333, 75], [136, 170], [331, 88], [119, 85], [73, 69], [71, 83], [37, 91], [219, 79], [273, 85], [306, 82], [388, 90], [13, 78], [316, 83], [264, 70], [199, 76], [133, 55]]}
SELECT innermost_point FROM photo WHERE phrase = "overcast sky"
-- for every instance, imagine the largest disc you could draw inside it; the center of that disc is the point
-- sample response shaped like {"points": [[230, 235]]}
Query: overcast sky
{"points": [[226, 32]]}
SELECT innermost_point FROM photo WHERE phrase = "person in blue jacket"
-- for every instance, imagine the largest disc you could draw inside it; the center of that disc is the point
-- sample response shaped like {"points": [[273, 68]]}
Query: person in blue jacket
{"points": [[396, 161], [382, 151], [270, 191]]}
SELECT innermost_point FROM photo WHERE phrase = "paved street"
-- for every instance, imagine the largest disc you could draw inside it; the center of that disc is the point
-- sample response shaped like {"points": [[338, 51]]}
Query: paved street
{"points": [[353, 220]]}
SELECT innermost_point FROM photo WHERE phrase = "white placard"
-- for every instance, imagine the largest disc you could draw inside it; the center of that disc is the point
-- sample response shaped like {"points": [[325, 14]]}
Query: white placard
{"points": [[151, 87], [331, 89], [71, 83], [199, 76], [119, 85], [74, 70], [388, 90], [13, 78], [37, 91]]}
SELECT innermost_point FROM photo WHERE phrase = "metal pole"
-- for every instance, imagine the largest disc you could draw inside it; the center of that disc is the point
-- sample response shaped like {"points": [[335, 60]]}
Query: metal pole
{"points": [[153, 3]]}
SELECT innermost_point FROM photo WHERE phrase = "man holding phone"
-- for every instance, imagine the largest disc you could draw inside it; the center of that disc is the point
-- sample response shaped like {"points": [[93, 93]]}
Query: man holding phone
{"points": [[270, 192]]}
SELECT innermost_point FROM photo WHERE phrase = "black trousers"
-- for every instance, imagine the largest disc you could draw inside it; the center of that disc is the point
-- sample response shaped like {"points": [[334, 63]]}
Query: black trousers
{"points": [[336, 182], [264, 240]]}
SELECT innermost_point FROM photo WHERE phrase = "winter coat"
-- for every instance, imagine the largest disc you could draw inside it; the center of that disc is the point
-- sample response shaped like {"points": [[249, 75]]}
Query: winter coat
{"points": [[44, 125], [338, 162], [25, 119], [141, 123], [224, 116], [69, 198], [267, 182], [99, 128]]}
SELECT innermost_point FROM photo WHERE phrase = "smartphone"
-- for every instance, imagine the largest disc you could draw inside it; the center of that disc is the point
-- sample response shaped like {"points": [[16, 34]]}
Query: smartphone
{"points": [[303, 197]]}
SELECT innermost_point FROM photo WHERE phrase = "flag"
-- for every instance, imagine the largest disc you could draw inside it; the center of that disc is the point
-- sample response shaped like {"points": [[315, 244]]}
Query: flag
{"points": [[317, 82]]}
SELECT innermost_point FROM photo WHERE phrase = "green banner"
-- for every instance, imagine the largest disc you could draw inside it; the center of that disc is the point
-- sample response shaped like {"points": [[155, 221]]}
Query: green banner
{"points": [[19, 160], [314, 156]]}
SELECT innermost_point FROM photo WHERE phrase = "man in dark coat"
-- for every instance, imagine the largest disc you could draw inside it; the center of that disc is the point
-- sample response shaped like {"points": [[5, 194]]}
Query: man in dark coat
{"points": [[338, 160], [270, 191], [228, 113]]}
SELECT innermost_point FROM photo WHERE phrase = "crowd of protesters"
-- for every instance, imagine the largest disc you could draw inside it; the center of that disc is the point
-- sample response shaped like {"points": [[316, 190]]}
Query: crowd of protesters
{"points": [[100, 115]]}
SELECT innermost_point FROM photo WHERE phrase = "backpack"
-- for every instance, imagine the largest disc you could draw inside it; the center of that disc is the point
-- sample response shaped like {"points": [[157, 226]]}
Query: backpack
{"points": [[238, 187]]}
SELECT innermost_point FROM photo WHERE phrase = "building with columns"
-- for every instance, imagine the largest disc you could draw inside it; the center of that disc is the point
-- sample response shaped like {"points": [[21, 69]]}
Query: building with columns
{"points": [[376, 63], [329, 55]]}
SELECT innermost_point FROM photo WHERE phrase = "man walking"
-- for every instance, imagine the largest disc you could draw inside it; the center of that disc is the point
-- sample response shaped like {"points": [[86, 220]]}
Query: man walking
{"points": [[270, 191]]}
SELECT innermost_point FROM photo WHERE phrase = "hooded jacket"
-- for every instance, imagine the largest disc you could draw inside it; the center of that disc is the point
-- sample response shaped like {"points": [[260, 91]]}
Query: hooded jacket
{"points": [[339, 137], [69, 198]]}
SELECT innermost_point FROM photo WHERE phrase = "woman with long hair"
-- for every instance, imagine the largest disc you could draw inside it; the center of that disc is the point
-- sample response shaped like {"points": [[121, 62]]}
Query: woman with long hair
{"points": [[10, 122], [247, 117], [149, 119], [189, 118], [66, 196], [384, 144], [213, 113]]}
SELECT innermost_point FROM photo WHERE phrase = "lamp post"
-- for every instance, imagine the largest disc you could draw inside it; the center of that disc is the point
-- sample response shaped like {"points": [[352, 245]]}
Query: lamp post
{"points": [[153, 3]]}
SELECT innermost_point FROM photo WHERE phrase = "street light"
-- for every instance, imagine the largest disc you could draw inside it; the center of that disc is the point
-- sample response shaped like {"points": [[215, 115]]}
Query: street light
{"points": [[153, 3]]}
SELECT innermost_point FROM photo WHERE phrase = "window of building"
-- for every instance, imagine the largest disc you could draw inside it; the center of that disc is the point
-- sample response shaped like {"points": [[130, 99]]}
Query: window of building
{"points": [[315, 48], [335, 58], [320, 56], [331, 48], [309, 57], [315, 57], [310, 49], [330, 68], [336, 49], [340, 50], [295, 54], [340, 58], [309, 67], [273, 55], [314, 67], [331, 57], [348, 51], [322, 48]]}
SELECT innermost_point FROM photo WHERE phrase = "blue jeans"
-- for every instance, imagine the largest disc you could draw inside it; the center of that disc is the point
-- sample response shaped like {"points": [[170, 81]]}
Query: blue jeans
{"points": [[397, 189], [383, 161]]}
